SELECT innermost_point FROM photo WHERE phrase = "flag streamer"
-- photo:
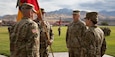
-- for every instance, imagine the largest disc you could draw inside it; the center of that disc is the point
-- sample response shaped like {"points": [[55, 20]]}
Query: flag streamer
{"points": [[33, 2]]}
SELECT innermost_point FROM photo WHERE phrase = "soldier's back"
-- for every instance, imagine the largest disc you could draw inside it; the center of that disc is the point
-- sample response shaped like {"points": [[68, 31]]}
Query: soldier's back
{"points": [[25, 36], [93, 39]]}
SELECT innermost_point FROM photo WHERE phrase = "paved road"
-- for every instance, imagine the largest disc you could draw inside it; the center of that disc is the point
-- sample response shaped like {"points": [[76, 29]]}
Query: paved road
{"points": [[62, 54], [2, 56], [65, 54]]}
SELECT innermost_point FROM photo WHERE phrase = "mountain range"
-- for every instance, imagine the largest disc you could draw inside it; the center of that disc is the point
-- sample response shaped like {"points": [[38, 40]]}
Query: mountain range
{"points": [[103, 15], [69, 11], [109, 13], [66, 14]]}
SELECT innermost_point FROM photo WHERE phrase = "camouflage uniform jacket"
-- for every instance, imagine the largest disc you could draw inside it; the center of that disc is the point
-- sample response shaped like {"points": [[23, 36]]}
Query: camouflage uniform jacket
{"points": [[74, 33], [94, 42], [24, 39], [43, 37]]}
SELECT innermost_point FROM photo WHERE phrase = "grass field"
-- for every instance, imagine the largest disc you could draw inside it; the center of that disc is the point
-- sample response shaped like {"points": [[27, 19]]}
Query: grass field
{"points": [[59, 44]]}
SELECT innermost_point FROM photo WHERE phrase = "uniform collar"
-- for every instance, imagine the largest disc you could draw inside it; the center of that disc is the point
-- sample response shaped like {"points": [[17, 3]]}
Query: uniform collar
{"points": [[25, 18]]}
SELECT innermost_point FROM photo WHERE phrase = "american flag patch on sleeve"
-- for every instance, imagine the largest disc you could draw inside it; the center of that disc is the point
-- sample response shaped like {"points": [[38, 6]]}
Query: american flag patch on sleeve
{"points": [[34, 30]]}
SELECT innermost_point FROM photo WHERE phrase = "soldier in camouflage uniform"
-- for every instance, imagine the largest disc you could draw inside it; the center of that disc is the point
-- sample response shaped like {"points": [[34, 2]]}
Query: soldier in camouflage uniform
{"points": [[44, 42], [73, 35], [24, 35], [94, 44], [59, 31]]}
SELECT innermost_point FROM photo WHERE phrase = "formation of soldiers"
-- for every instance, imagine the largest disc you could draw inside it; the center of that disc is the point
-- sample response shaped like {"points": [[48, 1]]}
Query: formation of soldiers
{"points": [[31, 38], [106, 31]]}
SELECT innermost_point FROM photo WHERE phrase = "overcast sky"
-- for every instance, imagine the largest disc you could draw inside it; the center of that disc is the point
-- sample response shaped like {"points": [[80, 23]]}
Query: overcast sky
{"points": [[9, 6]]}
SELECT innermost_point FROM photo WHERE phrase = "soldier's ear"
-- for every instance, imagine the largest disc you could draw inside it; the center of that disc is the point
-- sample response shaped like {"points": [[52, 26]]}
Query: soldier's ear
{"points": [[88, 18]]}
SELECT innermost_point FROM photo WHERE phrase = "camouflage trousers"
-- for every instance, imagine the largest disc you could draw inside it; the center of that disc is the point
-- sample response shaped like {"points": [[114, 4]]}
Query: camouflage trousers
{"points": [[74, 52], [44, 52]]}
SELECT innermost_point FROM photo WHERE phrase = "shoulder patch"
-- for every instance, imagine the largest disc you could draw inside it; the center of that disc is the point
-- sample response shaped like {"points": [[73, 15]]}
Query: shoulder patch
{"points": [[34, 30]]}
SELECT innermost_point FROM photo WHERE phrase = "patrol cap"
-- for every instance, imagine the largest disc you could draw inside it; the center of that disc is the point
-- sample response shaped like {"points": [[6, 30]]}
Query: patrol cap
{"points": [[93, 16], [42, 10], [76, 12], [26, 6]]}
